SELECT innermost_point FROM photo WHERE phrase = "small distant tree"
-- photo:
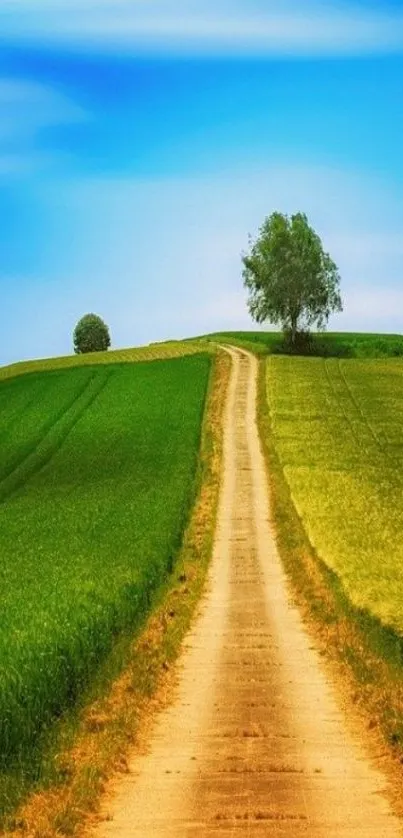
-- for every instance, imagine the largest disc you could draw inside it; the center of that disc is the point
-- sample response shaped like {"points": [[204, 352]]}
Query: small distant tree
{"points": [[291, 280], [91, 334]]}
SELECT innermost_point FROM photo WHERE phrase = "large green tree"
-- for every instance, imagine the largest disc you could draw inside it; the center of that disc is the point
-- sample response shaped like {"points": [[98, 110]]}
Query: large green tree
{"points": [[91, 334], [291, 280]]}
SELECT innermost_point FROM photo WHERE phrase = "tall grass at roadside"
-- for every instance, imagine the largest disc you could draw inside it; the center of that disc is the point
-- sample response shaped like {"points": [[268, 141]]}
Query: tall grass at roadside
{"points": [[338, 430], [89, 532]]}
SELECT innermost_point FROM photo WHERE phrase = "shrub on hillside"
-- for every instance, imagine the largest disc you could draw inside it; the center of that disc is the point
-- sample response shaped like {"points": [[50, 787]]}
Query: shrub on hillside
{"points": [[91, 334]]}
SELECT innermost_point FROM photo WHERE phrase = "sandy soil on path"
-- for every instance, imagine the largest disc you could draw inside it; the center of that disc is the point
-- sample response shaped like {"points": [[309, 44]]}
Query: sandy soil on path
{"points": [[254, 743]]}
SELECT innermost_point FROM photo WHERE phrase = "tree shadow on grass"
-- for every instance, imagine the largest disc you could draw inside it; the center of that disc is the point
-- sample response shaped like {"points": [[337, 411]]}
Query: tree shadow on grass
{"points": [[306, 344]]}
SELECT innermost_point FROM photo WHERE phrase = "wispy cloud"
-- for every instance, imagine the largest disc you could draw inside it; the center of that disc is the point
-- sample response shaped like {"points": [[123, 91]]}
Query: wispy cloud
{"points": [[369, 309], [196, 27], [26, 108], [20, 165], [375, 304]]}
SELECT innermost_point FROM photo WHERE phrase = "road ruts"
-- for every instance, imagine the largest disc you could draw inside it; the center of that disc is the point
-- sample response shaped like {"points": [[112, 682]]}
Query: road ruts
{"points": [[253, 743]]}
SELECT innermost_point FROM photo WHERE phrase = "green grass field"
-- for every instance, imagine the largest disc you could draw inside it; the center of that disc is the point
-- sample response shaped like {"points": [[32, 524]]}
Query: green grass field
{"points": [[327, 344], [338, 430], [153, 352], [97, 476], [98, 472]]}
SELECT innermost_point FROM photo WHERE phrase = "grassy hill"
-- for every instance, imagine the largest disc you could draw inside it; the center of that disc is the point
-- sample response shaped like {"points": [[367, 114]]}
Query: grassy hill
{"points": [[153, 352], [326, 344], [97, 477]]}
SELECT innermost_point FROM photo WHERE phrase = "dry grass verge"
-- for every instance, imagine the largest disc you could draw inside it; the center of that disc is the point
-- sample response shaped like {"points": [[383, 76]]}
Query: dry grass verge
{"points": [[363, 658], [115, 722]]}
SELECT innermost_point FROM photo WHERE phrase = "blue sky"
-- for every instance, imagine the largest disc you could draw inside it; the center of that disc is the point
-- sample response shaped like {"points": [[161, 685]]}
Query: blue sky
{"points": [[141, 141]]}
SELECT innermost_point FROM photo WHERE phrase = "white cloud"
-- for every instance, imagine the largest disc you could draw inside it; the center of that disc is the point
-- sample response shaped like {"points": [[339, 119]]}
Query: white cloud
{"points": [[365, 255], [375, 303], [371, 309], [26, 108], [375, 245], [268, 28]]}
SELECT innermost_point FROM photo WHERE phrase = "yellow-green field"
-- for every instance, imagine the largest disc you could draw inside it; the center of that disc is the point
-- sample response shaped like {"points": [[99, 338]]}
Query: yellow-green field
{"points": [[338, 430], [153, 352]]}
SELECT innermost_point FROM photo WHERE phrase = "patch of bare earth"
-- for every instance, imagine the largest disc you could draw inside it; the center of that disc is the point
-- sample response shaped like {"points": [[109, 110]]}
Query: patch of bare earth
{"points": [[254, 741]]}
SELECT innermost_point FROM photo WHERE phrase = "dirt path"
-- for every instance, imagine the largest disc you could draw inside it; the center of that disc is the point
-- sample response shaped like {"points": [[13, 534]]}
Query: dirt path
{"points": [[253, 743]]}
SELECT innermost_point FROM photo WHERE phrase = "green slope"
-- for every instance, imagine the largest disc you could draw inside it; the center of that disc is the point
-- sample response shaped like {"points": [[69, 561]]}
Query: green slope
{"points": [[327, 344], [97, 475]]}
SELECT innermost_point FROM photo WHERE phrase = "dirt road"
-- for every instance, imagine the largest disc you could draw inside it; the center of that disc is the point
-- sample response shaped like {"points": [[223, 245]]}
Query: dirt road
{"points": [[254, 743]]}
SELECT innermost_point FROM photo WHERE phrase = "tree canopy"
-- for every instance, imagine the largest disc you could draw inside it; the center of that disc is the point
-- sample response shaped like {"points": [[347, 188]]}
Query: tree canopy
{"points": [[291, 280], [91, 334]]}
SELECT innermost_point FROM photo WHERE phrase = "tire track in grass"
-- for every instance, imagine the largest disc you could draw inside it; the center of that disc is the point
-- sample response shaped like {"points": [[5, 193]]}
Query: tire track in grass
{"points": [[366, 437], [383, 447], [9, 424], [339, 402], [55, 436], [45, 426], [360, 429], [359, 410], [30, 394]]}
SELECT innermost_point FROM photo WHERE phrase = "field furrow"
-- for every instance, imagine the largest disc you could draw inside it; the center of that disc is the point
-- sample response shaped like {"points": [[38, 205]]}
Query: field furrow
{"points": [[55, 432]]}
